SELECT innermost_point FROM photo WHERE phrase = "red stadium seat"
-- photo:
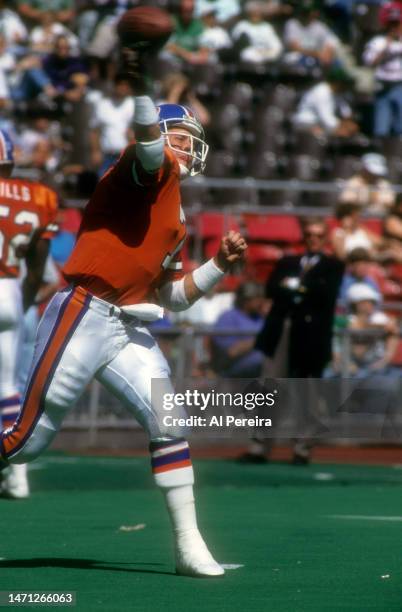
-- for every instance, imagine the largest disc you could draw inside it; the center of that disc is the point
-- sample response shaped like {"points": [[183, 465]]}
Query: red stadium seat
{"points": [[69, 219], [273, 228], [397, 358], [263, 252], [214, 225], [395, 272], [390, 290]]}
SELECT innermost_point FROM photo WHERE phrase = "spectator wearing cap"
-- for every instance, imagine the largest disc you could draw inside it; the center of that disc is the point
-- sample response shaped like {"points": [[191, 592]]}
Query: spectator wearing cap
{"points": [[358, 263], [226, 11], [258, 40], [235, 356], [370, 354], [323, 109], [351, 234], [369, 188], [308, 40], [214, 38], [384, 54]]}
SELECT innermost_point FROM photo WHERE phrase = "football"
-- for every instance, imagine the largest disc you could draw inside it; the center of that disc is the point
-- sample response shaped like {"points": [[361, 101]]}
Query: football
{"points": [[148, 27]]}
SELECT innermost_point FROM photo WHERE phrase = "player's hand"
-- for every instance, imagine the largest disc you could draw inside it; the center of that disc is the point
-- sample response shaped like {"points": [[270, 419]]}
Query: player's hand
{"points": [[135, 62], [231, 251]]}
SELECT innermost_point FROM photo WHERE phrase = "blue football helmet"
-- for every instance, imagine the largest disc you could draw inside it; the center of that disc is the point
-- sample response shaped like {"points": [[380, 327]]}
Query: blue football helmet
{"points": [[177, 115], [6, 148]]}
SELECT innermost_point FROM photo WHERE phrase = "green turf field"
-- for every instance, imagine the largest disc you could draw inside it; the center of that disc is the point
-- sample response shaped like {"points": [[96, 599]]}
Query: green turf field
{"points": [[324, 537]]}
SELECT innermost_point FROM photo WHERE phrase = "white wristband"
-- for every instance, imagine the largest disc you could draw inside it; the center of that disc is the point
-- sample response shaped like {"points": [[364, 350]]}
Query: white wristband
{"points": [[145, 112], [206, 276]]}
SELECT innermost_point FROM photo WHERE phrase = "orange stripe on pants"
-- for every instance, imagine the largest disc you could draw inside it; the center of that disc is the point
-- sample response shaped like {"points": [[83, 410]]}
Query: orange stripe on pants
{"points": [[33, 404]]}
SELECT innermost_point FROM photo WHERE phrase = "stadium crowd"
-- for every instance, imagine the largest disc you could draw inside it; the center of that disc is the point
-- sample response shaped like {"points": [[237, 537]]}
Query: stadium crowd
{"points": [[306, 91]]}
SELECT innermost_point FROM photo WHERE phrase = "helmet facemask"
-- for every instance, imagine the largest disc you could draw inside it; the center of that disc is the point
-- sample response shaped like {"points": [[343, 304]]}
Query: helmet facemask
{"points": [[198, 147]]}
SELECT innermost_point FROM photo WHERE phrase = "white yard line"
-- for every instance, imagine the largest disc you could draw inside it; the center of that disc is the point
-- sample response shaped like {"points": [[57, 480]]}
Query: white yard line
{"points": [[362, 517]]}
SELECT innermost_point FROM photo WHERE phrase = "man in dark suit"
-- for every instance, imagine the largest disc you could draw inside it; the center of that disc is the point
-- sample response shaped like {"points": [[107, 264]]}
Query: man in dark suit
{"points": [[303, 289]]}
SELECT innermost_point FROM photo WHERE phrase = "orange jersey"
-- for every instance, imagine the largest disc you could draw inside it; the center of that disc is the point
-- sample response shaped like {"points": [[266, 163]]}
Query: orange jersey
{"points": [[131, 233], [25, 209]]}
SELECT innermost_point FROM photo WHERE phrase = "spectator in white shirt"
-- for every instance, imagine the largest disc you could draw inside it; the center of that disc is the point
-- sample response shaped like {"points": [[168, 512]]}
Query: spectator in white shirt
{"points": [[323, 110], [308, 41], [261, 42], [384, 54], [111, 124], [43, 37], [369, 188], [12, 26], [226, 10], [214, 37]]}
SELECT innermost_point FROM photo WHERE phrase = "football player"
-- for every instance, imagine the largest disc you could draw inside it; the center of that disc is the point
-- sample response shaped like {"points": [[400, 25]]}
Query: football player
{"points": [[27, 222], [125, 266]]}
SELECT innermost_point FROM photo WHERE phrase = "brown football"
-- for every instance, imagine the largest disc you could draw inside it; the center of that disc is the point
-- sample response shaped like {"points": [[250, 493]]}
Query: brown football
{"points": [[148, 27]]}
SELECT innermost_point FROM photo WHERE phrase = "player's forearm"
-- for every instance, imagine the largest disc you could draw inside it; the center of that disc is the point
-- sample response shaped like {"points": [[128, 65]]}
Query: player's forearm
{"points": [[150, 143], [181, 294], [30, 288]]}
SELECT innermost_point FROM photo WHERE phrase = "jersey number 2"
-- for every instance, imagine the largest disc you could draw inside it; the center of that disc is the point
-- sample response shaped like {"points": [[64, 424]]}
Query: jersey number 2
{"points": [[21, 218]]}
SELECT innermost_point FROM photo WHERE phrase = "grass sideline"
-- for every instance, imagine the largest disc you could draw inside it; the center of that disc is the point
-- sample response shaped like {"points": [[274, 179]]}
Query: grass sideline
{"points": [[322, 537]]}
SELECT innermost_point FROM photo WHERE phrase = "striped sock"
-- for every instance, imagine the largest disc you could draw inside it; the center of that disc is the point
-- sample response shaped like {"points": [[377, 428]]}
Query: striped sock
{"points": [[9, 410], [171, 463], [173, 473]]}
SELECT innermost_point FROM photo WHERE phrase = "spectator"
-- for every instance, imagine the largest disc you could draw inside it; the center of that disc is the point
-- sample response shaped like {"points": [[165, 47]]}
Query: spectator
{"points": [[32, 10], [358, 264], [40, 144], [226, 11], [235, 356], [176, 89], [207, 309], [309, 42], [369, 189], [11, 26], [393, 230], [66, 73], [7, 65], [43, 36], [384, 54], [323, 109], [369, 354], [184, 44], [351, 234], [214, 37], [258, 40], [303, 289], [111, 124]]}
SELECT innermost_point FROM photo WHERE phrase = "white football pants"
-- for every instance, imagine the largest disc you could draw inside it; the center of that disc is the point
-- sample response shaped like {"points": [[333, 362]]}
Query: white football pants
{"points": [[11, 330], [81, 337]]}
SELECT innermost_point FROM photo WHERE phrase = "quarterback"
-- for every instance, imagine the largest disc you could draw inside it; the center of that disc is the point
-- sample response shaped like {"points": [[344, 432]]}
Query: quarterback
{"points": [[27, 222], [125, 267]]}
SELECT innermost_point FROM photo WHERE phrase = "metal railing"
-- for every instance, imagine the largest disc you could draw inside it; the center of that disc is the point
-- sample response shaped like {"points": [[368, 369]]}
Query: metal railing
{"points": [[99, 410]]}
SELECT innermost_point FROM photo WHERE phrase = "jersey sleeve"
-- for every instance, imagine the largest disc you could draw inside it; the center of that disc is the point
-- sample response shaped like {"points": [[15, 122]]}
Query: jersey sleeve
{"points": [[173, 269], [129, 171], [47, 201]]}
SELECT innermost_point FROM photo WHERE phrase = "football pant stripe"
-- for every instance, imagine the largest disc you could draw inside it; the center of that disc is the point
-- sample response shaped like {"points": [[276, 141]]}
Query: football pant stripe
{"points": [[70, 316]]}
